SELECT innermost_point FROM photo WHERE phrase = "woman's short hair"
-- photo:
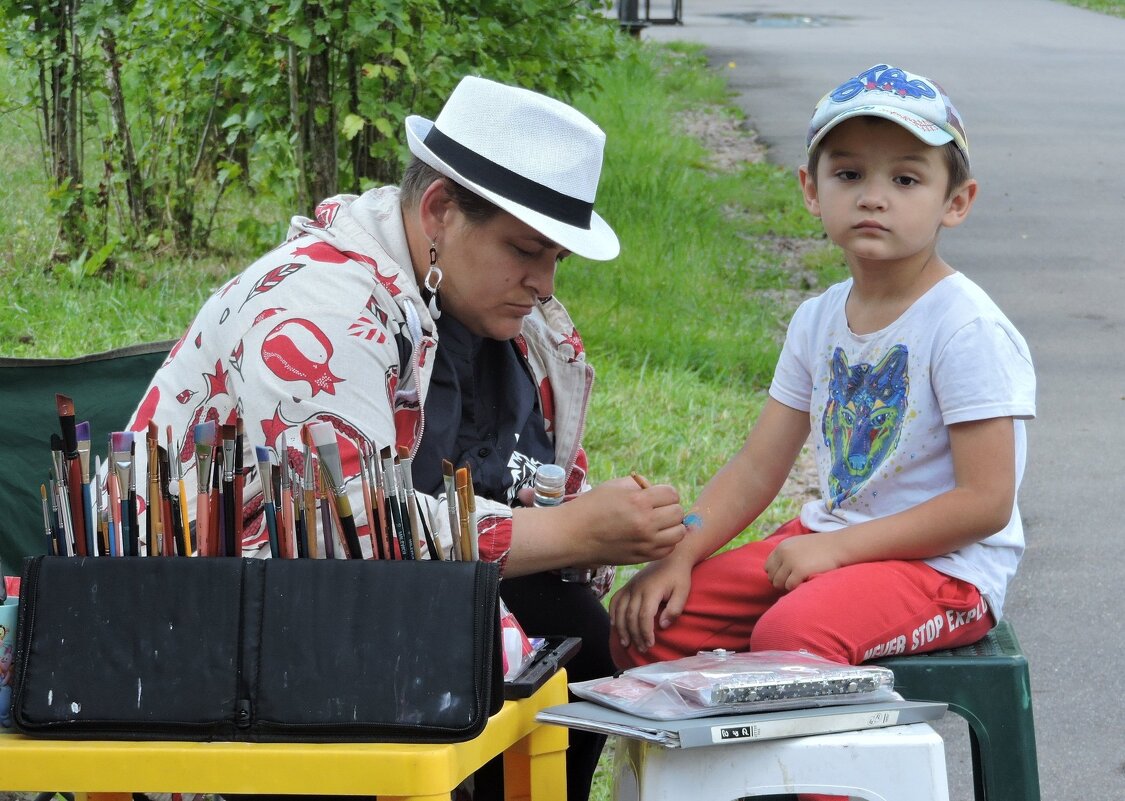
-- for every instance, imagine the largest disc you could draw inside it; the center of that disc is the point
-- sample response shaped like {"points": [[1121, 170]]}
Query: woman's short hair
{"points": [[419, 175]]}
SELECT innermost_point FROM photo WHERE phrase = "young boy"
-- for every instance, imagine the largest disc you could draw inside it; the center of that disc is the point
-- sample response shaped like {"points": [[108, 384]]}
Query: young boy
{"points": [[915, 387]]}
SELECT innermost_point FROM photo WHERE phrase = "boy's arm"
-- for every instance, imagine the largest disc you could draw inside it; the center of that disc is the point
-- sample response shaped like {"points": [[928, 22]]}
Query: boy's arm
{"points": [[747, 484], [979, 505], [732, 499]]}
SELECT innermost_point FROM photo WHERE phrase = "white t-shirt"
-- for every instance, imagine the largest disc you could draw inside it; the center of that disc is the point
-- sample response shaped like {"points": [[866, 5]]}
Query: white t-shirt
{"points": [[880, 404]]}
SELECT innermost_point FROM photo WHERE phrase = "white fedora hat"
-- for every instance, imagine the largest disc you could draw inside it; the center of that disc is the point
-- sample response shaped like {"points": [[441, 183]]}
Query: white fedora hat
{"points": [[531, 155]]}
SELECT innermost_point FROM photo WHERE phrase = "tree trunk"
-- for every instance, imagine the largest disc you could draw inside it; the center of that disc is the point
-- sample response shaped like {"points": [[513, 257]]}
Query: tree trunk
{"points": [[322, 143], [295, 118], [322, 111], [63, 131], [139, 210]]}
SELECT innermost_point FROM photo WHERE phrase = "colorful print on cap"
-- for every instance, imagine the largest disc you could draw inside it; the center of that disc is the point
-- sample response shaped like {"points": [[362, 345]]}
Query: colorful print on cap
{"points": [[916, 103]]}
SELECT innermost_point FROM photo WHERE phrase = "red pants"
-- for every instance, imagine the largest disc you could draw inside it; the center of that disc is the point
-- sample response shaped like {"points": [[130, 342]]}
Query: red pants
{"points": [[849, 615]]}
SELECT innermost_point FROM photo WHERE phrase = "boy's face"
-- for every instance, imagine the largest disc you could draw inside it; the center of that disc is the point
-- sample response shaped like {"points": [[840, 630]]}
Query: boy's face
{"points": [[880, 192]]}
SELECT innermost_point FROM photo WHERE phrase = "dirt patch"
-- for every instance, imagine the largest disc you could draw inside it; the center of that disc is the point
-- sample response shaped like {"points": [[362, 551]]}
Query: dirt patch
{"points": [[729, 141]]}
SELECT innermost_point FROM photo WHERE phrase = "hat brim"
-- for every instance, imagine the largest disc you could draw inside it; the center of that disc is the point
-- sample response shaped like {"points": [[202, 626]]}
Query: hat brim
{"points": [[598, 242], [921, 128]]}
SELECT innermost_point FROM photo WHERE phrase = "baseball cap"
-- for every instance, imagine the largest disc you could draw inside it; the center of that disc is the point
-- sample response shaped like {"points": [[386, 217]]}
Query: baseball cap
{"points": [[917, 104]]}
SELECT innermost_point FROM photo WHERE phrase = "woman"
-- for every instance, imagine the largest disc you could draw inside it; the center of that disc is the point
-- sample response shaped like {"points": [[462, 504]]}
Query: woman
{"points": [[423, 317]]}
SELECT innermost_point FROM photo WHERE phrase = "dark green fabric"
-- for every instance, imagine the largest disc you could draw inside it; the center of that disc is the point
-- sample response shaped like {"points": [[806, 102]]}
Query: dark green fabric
{"points": [[106, 388]]}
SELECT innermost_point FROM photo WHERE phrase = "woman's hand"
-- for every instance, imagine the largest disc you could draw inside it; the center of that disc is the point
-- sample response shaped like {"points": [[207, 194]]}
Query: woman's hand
{"points": [[661, 589], [615, 523], [620, 523]]}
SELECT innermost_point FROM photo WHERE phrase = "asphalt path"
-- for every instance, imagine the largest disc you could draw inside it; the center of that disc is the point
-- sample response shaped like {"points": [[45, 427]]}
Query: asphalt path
{"points": [[1040, 87]]}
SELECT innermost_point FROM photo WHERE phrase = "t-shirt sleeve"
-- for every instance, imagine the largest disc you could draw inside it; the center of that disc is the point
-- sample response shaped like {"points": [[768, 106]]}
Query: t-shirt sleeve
{"points": [[792, 380], [984, 371]]}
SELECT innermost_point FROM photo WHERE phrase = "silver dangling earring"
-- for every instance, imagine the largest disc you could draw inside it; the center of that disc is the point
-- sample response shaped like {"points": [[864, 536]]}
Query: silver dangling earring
{"points": [[433, 281]]}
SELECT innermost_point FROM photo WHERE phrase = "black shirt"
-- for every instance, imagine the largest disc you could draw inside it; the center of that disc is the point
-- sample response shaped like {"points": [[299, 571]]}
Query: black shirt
{"points": [[481, 409]]}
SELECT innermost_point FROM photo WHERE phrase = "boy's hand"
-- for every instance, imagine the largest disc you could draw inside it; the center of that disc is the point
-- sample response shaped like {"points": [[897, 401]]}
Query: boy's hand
{"points": [[660, 588], [797, 559]]}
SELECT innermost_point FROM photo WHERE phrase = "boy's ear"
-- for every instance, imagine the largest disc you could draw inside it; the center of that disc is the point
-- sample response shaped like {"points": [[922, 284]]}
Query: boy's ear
{"points": [[959, 203], [808, 190]]}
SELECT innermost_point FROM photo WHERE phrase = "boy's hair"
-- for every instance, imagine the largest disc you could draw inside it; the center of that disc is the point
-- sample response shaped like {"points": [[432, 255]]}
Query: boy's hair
{"points": [[957, 164], [419, 175]]}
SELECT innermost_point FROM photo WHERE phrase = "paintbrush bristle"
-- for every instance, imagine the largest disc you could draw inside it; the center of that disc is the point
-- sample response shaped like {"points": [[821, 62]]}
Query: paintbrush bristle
{"points": [[82, 431], [205, 434], [403, 452], [64, 405], [447, 468], [121, 441], [385, 453], [323, 434], [263, 454]]}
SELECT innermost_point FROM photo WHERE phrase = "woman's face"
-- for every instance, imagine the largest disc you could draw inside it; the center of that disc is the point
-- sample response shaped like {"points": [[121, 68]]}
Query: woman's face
{"points": [[494, 271]]}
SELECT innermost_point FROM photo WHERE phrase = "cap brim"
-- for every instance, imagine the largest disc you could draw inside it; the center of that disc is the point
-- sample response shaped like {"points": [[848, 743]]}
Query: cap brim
{"points": [[921, 128], [598, 242]]}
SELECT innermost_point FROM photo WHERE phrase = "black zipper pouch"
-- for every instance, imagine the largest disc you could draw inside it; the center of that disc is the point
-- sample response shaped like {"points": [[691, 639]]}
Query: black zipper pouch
{"points": [[302, 650]]}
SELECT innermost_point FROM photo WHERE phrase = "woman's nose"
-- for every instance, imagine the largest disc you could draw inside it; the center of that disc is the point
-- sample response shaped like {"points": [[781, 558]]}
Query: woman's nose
{"points": [[541, 277]]}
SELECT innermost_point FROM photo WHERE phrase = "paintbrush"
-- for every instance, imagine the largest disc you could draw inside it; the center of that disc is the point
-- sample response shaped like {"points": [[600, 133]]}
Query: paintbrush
{"points": [[82, 431], [265, 470], [121, 450], [365, 490], [379, 498], [328, 449], [48, 528], [464, 491], [450, 482], [409, 538], [134, 511], [169, 521], [406, 463], [153, 520], [471, 495], [290, 539], [231, 546], [308, 492], [239, 479], [113, 506], [65, 408], [299, 528], [100, 513], [204, 434], [60, 494], [394, 507], [179, 503]]}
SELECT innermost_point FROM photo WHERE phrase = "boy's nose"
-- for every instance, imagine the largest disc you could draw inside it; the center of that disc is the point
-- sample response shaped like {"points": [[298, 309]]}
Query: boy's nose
{"points": [[872, 198]]}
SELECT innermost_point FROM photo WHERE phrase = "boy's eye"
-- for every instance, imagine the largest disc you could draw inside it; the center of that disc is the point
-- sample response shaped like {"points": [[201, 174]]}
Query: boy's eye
{"points": [[847, 175], [906, 180]]}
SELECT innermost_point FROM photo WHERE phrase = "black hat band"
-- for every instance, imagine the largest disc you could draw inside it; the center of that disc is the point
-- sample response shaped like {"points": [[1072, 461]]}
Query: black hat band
{"points": [[511, 185]]}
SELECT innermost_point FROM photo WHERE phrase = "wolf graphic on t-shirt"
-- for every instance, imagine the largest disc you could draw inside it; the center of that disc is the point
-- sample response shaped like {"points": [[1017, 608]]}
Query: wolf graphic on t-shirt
{"points": [[863, 418]]}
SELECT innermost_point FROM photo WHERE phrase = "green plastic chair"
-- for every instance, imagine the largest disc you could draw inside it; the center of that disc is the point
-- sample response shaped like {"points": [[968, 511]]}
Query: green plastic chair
{"points": [[988, 684], [106, 388]]}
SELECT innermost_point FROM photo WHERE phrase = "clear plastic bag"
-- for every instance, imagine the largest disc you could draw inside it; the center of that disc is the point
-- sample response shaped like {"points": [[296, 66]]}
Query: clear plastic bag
{"points": [[725, 682]]}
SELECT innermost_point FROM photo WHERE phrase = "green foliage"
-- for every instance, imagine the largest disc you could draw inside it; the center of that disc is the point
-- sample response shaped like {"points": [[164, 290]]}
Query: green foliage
{"points": [[218, 94]]}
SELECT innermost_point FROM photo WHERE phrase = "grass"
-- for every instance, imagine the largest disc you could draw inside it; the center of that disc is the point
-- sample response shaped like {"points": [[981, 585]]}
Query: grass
{"points": [[1115, 8]]}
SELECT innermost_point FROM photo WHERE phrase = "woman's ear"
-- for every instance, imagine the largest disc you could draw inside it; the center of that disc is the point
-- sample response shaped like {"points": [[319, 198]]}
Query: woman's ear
{"points": [[959, 203], [808, 190], [434, 207]]}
